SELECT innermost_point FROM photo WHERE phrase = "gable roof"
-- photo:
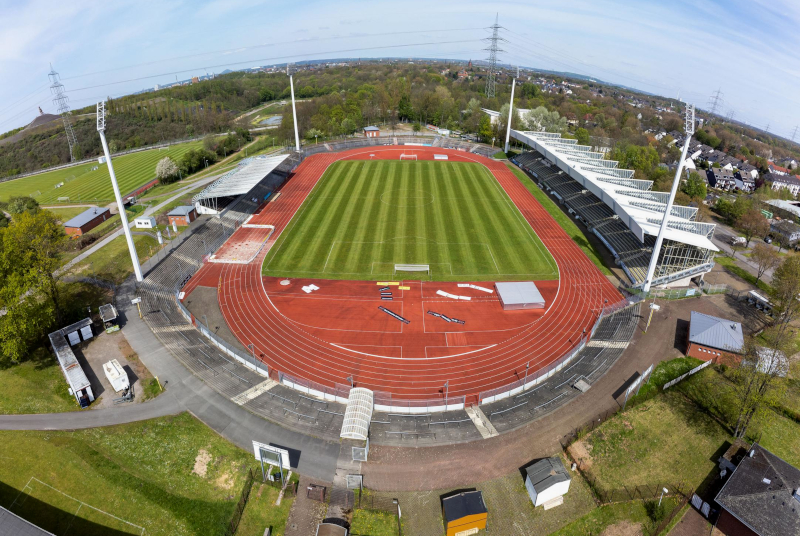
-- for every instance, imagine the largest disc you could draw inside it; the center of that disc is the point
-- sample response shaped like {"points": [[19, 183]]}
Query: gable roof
{"points": [[759, 493], [468, 503], [85, 217], [547, 472], [716, 332], [183, 210], [786, 179], [369, 129]]}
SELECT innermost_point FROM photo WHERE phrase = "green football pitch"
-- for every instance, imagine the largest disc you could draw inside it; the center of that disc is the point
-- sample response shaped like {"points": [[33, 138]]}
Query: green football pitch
{"points": [[363, 218], [91, 183]]}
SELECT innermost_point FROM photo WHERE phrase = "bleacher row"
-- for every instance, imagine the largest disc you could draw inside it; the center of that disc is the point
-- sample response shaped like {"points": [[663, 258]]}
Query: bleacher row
{"points": [[297, 410], [437, 141], [629, 252]]}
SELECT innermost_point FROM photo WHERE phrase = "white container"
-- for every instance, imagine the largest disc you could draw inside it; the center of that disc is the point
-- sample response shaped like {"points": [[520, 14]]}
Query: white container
{"points": [[145, 222], [116, 375]]}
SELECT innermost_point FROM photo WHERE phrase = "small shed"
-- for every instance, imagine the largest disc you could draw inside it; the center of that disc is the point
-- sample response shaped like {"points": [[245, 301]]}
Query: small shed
{"points": [[372, 132], [108, 314], [464, 514], [145, 222], [183, 215], [519, 295], [86, 221], [547, 480], [711, 337]]}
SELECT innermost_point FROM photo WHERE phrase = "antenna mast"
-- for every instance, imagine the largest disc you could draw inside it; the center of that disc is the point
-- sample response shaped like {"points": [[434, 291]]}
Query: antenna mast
{"points": [[794, 133], [61, 101], [491, 81]]}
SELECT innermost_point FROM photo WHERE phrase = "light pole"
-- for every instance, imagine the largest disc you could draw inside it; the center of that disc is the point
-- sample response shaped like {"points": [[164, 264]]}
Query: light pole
{"points": [[315, 139], [397, 513], [446, 393], [253, 350], [525, 381], [510, 110], [101, 127], [294, 110], [663, 491], [350, 379]]}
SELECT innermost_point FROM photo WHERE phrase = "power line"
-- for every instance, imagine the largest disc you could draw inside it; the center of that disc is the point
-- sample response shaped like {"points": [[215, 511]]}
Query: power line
{"points": [[62, 103], [266, 45], [491, 81], [794, 133], [270, 60]]}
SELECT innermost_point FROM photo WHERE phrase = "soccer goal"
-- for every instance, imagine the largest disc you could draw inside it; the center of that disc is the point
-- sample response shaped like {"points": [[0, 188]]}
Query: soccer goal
{"points": [[408, 156], [412, 268]]}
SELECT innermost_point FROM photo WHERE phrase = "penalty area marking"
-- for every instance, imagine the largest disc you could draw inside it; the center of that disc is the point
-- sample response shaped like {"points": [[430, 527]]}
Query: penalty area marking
{"points": [[81, 504]]}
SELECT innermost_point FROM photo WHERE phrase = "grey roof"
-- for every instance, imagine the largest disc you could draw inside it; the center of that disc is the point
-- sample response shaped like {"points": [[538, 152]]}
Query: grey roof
{"points": [[13, 525], [787, 179], [716, 332], [371, 128], [182, 210], [519, 292], [547, 472], [759, 493], [108, 312], [72, 370], [464, 504], [85, 217]]}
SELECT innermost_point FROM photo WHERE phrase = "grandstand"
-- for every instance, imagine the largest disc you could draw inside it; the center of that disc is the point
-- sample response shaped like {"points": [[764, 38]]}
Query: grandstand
{"points": [[622, 211], [240, 180]]}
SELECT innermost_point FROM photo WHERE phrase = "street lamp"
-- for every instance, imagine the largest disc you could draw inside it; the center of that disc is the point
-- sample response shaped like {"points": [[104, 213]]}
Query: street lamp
{"points": [[525, 381], [663, 491], [350, 379], [397, 513], [446, 393], [315, 139]]}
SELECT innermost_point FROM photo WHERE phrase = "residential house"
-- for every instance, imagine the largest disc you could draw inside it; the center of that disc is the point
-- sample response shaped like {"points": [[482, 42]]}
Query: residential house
{"points": [[721, 179], [778, 181], [789, 230], [789, 162], [778, 170], [744, 182], [761, 497], [718, 157], [749, 169], [731, 161], [714, 338]]}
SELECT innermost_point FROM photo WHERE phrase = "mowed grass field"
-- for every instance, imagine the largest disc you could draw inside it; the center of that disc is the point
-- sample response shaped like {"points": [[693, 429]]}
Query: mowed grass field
{"points": [[82, 185], [364, 217]]}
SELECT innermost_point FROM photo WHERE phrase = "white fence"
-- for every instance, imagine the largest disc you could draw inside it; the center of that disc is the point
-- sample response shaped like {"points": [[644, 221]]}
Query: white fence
{"points": [[684, 376]]}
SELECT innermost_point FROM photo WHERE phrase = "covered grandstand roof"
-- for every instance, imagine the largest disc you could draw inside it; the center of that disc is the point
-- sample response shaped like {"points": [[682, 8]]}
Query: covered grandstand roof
{"points": [[637, 206], [242, 179]]}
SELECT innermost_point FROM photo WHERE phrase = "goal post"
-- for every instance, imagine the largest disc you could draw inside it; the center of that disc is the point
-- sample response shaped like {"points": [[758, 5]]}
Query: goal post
{"points": [[412, 268], [408, 156]]}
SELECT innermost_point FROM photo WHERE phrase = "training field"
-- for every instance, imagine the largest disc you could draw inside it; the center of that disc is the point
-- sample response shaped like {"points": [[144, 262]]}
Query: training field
{"points": [[82, 185], [363, 217]]}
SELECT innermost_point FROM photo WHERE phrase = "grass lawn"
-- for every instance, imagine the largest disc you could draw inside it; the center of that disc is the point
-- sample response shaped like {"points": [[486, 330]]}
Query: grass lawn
{"points": [[170, 476], [662, 441], [261, 511], [35, 386], [66, 214], [371, 523], [732, 267], [113, 262], [620, 514], [663, 372], [363, 217], [84, 184], [562, 219]]}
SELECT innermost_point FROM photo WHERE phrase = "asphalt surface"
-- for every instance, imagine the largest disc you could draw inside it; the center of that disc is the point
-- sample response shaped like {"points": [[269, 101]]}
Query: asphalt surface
{"points": [[316, 458]]}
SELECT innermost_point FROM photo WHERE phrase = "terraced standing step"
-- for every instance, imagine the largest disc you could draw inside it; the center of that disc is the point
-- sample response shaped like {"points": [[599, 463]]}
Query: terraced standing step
{"points": [[480, 421], [255, 391], [608, 344]]}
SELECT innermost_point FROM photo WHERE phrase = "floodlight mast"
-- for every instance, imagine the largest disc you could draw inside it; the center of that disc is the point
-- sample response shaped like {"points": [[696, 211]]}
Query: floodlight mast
{"points": [[101, 127], [294, 110], [511, 109], [689, 127]]}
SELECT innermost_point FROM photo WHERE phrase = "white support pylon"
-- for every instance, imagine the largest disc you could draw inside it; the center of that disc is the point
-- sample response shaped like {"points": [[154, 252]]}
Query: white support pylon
{"points": [[101, 127], [294, 112], [511, 110], [648, 281]]}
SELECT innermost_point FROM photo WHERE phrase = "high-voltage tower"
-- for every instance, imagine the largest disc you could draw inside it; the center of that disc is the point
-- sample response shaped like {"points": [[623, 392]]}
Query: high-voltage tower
{"points": [[61, 101], [716, 101], [491, 82]]}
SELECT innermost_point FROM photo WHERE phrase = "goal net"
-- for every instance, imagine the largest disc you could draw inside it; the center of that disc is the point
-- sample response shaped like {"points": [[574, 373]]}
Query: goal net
{"points": [[408, 157], [412, 268]]}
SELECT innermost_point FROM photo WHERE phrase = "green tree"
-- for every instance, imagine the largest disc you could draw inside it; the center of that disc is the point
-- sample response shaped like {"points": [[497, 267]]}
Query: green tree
{"points": [[753, 223], [485, 130], [785, 289], [582, 135], [19, 204], [416, 127], [166, 170], [530, 90], [348, 126], [695, 187]]}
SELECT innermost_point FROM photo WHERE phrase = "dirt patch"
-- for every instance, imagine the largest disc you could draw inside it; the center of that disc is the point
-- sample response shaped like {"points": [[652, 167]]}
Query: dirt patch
{"points": [[580, 452], [201, 463], [624, 528], [225, 480]]}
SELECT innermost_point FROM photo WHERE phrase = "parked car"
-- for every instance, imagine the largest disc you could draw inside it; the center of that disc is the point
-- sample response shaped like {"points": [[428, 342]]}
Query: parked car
{"points": [[768, 239], [738, 241]]}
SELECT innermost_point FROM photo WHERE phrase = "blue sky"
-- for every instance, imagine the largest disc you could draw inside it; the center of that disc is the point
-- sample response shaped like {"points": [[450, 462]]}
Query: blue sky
{"points": [[744, 48]]}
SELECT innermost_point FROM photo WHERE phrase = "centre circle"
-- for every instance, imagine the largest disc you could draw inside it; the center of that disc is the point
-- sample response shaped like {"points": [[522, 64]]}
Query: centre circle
{"points": [[402, 198]]}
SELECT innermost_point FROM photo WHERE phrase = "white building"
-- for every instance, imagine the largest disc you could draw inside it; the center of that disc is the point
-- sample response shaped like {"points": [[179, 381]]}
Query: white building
{"points": [[547, 481]]}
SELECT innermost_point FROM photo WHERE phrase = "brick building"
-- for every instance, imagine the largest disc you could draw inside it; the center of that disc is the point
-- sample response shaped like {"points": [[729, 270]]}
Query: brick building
{"points": [[713, 338], [86, 221], [372, 132], [183, 215]]}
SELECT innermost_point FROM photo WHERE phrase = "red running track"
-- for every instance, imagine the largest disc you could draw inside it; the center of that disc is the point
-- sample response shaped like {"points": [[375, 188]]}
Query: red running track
{"points": [[305, 349]]}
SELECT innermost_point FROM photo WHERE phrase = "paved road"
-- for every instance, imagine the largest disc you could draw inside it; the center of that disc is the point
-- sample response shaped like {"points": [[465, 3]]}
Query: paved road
{"points": [[186, 392]]}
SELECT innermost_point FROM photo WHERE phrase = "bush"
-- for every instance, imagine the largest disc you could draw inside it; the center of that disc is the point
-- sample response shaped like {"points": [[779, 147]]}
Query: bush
{"points": [[655, 511], [195, 159], [20, 204]]}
